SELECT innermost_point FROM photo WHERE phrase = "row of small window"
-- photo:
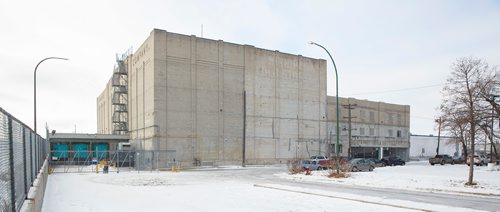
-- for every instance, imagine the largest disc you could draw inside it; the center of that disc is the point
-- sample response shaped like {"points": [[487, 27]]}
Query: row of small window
{"points": [[390, 132], [389, 117]]}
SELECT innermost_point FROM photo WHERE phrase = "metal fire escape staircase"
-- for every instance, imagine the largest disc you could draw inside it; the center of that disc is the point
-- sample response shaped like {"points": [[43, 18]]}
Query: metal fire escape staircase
{"points": [[120, 96]]}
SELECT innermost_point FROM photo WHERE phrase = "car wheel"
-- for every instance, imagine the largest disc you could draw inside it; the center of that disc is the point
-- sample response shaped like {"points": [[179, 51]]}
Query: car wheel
{"points": [[403, 164], [452, 162], [354, 169], [371, 168], [432, 164], [319, 168], [442, 163]]}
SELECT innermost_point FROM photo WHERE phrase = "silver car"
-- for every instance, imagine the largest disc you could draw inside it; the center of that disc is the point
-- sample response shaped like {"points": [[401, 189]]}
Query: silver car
{"points": [[361, 164]]}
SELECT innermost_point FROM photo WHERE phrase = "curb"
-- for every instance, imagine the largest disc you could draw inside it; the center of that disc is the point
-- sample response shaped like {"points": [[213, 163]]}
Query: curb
{"points": [[343, 198]]}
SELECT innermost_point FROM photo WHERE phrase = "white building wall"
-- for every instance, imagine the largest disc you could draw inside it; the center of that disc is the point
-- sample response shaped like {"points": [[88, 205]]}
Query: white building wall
{"points": [[424, 146]]}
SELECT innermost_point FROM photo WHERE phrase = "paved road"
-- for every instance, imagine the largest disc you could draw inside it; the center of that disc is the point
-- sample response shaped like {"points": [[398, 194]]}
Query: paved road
{"points": [[264, 175]]}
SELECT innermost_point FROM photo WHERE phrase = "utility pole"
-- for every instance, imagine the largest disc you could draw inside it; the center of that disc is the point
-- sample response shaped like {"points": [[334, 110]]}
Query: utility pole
{"points": [[439, 121], [492, 127], [349, 107], [244, 125]]}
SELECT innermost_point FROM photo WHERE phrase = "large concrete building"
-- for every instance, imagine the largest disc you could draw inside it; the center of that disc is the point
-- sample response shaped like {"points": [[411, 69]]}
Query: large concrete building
{"points": [[187, 94]]}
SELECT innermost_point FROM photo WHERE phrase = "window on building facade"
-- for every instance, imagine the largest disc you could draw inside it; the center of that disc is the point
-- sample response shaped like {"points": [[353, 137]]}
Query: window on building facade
{"points": [[362, 131], [398, 134], [332, 148], [390, 133], [399, 119], [362, 115], [390, 119], [372, 131], [372, 116]]}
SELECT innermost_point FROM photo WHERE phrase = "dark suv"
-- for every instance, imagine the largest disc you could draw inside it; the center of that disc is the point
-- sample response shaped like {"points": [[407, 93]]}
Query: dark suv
{"points": [[392, 161]]}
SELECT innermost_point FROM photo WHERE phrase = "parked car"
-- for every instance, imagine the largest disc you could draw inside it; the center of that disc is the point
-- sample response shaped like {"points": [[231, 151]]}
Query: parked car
{"points": [[479, 160], [319, 157], [458, 159], [330, 162], [377, 162], [393, 160], [311, 164], [361, 164], [441, 159]]}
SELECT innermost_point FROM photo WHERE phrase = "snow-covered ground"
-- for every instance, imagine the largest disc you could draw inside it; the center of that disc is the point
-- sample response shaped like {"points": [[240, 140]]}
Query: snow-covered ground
{"points": [[185, 191], [248, 189], [420, 176]]}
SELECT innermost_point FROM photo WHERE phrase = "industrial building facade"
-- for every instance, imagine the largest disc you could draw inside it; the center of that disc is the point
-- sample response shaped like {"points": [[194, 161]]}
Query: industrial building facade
{"points": [[377, 129], [219, 102]]}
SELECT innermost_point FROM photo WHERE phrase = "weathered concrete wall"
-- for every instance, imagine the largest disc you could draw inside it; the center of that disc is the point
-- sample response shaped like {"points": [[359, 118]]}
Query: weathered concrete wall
{"points": [[376, 124], [141, 96], [198, 99], [105, 110], [34, 200], [285, 106]]}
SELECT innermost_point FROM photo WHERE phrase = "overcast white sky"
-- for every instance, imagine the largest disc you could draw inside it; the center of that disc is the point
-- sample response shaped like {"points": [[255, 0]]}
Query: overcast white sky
{"points": [[377, 45]]}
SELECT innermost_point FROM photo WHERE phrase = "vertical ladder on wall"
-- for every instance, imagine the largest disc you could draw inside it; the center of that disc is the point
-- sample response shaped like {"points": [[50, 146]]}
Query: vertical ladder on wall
{"points": [[120, 96]]}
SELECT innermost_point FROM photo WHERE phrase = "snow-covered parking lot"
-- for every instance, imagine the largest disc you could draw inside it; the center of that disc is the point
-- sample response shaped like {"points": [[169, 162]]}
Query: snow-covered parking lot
{"points": [[257, 189], [419, 176]]}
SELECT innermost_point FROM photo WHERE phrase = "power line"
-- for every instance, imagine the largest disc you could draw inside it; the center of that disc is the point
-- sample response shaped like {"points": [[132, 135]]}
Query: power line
{"points": [[398, 90]]}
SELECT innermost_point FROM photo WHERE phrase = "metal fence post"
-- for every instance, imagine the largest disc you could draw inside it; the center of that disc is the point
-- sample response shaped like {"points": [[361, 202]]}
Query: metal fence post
{"points": [[26, 188], [11, 164], [118, 161], [32, 159], [36, 153]]}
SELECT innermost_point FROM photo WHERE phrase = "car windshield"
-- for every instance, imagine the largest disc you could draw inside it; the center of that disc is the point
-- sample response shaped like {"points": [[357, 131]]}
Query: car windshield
{"points": [[356, 160]]}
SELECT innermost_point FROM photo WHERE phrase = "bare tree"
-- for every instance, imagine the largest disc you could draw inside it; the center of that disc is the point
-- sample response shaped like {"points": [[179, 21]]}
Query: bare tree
{"points": [[491, 109], [462, 99], [457, 126]]}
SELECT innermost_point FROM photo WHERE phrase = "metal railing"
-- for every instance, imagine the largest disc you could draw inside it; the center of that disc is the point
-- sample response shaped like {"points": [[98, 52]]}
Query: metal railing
{"points": [[22, 154]]}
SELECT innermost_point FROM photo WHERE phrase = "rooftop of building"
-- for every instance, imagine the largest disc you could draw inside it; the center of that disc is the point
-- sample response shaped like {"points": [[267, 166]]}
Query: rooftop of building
{"points": [[83, 136]]}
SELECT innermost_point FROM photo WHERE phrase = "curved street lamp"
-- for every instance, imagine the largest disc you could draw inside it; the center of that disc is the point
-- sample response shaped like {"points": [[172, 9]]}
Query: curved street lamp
{"points": [[34, 82], [336, 106]]}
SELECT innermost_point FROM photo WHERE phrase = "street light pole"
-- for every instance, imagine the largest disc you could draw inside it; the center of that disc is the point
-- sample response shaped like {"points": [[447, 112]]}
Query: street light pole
{"points": [[34, 83], [337, 149]]}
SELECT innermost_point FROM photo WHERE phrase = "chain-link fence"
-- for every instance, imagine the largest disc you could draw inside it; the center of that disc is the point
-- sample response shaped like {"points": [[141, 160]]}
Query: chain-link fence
{"points": [[65, 161], [22, 153]]}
